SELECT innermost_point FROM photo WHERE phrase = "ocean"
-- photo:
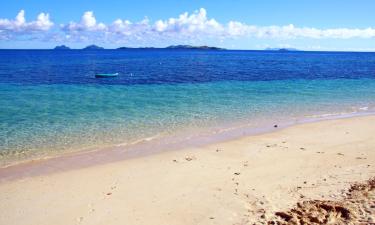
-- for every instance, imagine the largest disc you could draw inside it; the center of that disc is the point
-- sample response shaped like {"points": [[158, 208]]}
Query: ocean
{"points": [[52, 104]]}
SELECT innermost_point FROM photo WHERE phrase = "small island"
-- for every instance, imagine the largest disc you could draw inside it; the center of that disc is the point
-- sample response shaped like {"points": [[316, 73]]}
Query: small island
{"points": [[174, 47], [93, 47], [61, 47], [177, 47], [204, 47], [282, 49], [126, 48]]}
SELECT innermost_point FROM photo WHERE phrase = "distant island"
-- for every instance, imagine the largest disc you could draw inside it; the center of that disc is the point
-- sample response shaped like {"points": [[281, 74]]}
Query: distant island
{"points": [[204, 47], [174, 47], [89, 47], [177, 47], [93, 47], [124, 48], [62, 47], [282, 49]]}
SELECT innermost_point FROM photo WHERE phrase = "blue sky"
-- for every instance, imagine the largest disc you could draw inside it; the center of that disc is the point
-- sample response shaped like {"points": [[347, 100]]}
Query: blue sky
{"points": [[309, 25]]}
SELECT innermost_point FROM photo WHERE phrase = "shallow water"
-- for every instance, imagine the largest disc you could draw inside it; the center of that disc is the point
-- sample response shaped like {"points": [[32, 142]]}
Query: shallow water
{"points": [[51, 103]]}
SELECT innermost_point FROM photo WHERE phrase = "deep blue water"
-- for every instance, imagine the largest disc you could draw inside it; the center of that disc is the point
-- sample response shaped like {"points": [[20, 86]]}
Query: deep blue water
{"points": [[174, 66], [51, 102]]}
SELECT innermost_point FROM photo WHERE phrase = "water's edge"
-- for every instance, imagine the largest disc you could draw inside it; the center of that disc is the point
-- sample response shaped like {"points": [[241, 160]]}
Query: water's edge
{"points": [[82, 159]]}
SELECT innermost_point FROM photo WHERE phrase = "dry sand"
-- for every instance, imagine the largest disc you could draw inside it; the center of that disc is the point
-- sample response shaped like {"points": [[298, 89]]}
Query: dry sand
{"points": [[243, 181]]}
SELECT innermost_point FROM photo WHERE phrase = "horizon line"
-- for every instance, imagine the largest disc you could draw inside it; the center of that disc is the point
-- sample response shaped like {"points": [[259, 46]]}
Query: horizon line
{"points": [[197, 49]]}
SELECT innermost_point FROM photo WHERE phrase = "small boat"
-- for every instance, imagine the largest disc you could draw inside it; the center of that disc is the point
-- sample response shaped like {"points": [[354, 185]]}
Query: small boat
{"points": [[105, 75]]}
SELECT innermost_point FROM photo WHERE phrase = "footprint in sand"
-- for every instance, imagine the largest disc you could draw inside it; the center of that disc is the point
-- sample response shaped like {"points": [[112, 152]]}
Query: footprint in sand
{"points": [[360, 158], [110, 193], [190, 158], [80, 219], [269, 146], [91, 208]]}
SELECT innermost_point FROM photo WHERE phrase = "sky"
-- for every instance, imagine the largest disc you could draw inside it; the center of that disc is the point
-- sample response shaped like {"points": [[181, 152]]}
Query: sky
{"points": [[332, 25]]}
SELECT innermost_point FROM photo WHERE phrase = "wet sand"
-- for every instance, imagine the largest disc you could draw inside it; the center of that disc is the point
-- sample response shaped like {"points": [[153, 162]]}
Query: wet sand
{"points": [[256, 179]]}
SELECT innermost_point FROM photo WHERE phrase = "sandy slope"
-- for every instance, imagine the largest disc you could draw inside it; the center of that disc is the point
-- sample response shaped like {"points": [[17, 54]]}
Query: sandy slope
{"points": [[236, 182]]}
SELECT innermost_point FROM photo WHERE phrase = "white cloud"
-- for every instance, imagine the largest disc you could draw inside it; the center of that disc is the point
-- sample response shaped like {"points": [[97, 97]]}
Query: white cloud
{"points": [[235, 28], [87, 23], [290, 31], [193, 27], [185, 24], [19, 24], [127, 28], [198, 26]]}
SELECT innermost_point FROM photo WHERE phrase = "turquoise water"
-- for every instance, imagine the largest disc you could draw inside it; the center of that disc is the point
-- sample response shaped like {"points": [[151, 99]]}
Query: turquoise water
{"points": [[45, 119], [43, 116]]}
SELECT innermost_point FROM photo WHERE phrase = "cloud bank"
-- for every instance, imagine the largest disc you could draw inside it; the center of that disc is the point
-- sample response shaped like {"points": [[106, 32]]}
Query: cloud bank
{"points": [[19, 26], [193, 26]]}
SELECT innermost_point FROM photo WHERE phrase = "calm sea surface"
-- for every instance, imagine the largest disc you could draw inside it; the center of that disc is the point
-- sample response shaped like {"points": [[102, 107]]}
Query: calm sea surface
{"points": [[51, 102]]}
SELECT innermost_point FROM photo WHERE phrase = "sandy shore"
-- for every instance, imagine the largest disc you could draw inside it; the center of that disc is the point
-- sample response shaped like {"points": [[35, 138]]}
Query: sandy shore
{"points": [[243, 181]]}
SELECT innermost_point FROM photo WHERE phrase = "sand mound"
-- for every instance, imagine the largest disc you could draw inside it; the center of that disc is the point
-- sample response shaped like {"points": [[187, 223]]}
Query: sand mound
{"points": [[358, 207]]}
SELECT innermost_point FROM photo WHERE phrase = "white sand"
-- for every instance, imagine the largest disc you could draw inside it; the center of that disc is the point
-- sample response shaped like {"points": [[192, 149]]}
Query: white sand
{"points": [[235, 182]]}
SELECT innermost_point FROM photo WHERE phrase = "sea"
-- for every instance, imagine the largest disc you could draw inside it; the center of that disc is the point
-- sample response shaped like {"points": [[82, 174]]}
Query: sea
{"points": [[51, 104]]}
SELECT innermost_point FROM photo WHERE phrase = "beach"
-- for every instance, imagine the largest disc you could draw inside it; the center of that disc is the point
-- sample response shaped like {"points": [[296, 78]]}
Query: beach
{"points": [[242, 181], [187, 113]]}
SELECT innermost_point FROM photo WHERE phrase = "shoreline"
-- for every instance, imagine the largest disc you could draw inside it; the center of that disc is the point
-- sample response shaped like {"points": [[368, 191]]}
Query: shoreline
{"points": [[242, 181], [67, 132], [109, 154]]}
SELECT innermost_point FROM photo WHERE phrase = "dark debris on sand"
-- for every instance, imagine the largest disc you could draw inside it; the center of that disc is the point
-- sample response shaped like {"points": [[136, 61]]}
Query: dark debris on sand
{"points": [[358, 207]]}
